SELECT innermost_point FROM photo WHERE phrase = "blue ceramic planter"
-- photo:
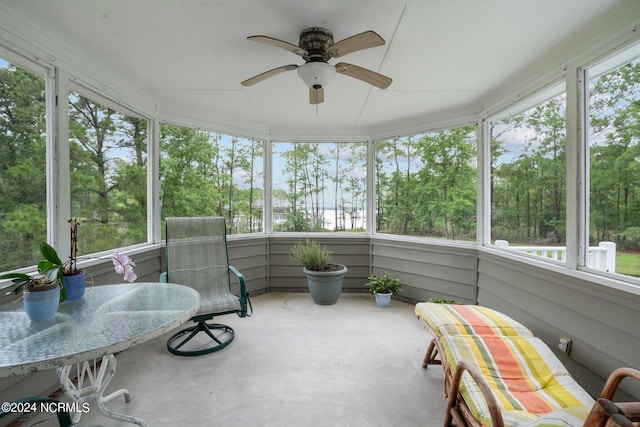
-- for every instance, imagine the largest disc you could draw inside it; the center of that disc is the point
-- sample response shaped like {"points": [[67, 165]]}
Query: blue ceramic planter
{"points": [[383, 300], [41, 305], [74, 286]]}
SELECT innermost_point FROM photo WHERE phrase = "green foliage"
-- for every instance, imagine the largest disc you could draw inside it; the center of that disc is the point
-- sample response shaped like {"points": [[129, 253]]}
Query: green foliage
{"points": [[201, 176], [384, 284], [22, 167], [21, 281], [528, 178], [319, 178], [108, 175], [311, 255], [50, 272], [440, 300], [426, 184], [52, 266]]}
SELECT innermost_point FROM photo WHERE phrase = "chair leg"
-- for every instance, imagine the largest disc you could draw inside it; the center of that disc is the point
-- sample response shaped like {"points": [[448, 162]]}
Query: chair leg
{"points": [[430, 355], [221, 335]]}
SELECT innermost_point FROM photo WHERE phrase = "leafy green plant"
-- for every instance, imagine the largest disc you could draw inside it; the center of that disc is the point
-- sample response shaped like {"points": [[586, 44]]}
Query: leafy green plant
{"points": [[311, 255], [384, 284], [440, 300], [30, 283], [52, 266]]}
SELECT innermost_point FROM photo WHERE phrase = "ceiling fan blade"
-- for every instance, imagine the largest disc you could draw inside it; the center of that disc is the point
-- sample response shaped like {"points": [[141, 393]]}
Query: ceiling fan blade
{"points": [[371, 77], [263, 76], [279, 43], [358, 42], [316, 96]]}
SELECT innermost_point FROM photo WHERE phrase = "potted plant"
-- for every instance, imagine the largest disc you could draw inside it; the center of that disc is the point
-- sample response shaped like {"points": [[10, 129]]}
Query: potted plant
{"points": [[384, 288], [41, 294], [324, 278], [72, 278]]}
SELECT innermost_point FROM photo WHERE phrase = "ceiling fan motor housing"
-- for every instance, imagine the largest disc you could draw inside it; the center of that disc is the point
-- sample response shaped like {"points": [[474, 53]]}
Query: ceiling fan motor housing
{"points": [[316, 42]]}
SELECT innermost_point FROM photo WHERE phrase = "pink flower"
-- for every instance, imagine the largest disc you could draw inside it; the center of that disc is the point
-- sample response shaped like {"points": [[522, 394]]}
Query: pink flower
{"points": [[124, 265]]}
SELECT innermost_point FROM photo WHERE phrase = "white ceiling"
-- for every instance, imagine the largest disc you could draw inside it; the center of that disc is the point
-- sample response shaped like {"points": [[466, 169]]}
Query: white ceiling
{"points": [[189, 56]]}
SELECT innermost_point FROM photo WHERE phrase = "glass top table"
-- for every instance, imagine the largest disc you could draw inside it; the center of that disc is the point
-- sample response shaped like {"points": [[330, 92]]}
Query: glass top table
{"points": [[106, 320]]}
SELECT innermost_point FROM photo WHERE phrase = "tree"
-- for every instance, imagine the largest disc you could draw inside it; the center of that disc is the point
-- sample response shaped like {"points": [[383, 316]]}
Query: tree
{"points": [[108, 175], [22, 167]]}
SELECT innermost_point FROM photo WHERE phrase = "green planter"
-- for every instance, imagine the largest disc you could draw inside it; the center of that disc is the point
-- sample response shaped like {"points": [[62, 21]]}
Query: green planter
{"points": [[325, 286]]}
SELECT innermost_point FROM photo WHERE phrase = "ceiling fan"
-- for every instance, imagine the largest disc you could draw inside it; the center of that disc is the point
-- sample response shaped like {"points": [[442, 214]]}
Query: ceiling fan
{"points": [[316, 47]]}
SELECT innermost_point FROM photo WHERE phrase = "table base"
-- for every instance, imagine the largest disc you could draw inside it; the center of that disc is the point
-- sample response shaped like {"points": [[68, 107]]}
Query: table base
{"points": [[98, 377]]}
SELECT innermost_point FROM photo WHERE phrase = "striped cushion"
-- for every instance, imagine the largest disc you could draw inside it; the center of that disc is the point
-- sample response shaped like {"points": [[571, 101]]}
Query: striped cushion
{"points": [[447, 319], [526, 378]]}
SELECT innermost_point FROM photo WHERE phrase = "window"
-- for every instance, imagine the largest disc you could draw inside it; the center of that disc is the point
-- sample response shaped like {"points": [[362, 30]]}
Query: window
{"points": [[23, 222], [426, 184], [319, 186], [528, 178], [211, 174], [614, 164], [108, 161]]}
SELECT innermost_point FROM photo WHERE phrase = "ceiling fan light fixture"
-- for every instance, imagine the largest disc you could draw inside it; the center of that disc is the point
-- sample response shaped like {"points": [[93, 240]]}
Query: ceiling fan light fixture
{"points": [[316, 74]]}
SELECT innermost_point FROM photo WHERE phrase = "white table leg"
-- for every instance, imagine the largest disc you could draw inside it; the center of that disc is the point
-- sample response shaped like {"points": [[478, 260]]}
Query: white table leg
{"points": [[98, 378]]}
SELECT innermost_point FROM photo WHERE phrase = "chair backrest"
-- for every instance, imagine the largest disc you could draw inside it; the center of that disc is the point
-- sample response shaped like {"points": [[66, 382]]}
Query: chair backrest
{"points": [[196, 256]]}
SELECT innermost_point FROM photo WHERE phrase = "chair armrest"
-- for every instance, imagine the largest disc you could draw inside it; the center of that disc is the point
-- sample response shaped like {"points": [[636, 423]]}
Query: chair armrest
{"points": [[240, 277], [164, 278], [614, 380], [245, 302], [604, 408]]}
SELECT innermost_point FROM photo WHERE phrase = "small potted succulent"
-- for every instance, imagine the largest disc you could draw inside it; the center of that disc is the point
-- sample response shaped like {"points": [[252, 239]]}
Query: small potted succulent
{"points": [[41, 294], [384, 287], [324, 278]]}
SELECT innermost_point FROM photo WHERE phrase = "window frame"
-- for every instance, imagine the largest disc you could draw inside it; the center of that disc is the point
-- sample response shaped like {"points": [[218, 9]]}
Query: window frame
{"points": [[537, 97], [585, 74]]}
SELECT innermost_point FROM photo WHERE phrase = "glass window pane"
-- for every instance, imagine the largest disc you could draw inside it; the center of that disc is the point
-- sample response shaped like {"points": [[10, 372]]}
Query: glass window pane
{"points": [[319, 186], [528, 180], [23, 222], [426, 184], [108, 161], [211, 174], [614, 177]]}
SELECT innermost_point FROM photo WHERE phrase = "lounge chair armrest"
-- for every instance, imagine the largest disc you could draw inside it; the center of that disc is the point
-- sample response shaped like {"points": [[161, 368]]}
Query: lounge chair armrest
{"points": [[615, 379], [604, 408], [492, 404]]}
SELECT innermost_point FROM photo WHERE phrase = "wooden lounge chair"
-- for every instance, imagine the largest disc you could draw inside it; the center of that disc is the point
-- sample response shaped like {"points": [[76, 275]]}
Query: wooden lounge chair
{"points": [[467, 381], [458, 319], [498, 374]]}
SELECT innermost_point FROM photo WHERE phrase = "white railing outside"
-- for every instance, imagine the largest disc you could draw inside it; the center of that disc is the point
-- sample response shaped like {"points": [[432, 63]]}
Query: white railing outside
{"points": [[601, 257]]}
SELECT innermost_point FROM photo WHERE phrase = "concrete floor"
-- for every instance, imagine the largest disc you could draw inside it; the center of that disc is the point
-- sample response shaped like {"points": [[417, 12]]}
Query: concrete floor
{"points": [[293, 363]]}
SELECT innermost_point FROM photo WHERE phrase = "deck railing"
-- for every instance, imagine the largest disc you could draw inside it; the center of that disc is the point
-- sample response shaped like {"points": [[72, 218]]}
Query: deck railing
{"points": [[601, 257]]}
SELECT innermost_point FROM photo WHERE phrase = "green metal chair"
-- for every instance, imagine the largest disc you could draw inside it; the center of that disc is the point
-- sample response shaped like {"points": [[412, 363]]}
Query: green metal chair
{"points": [[196, 256]]}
